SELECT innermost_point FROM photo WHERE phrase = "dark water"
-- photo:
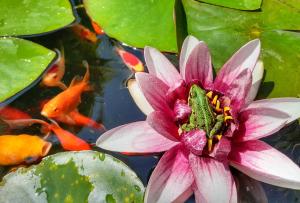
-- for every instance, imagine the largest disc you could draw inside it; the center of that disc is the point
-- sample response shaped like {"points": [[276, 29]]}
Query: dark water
{"points": [[111, 103]]}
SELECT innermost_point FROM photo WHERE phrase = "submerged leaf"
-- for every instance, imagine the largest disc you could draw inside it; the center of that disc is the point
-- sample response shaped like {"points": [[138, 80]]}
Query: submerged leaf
{"points": [[73, 177]]}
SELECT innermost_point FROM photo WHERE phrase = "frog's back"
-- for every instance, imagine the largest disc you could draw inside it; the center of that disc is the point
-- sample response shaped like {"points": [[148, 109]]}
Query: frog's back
{"points": [[203, 113]]}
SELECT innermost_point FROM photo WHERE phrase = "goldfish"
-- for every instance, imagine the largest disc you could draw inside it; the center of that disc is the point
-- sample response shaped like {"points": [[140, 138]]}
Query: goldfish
{"points": [[21, 123], [17, 149], [85, 33], [68, 140], [98, 30], [69, 99], [54, 75], [76, 118], [11, 113], [130, 60]]}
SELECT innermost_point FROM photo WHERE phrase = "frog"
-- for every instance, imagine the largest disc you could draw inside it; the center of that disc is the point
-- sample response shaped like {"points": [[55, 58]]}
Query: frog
{"points": [[202, 116]]}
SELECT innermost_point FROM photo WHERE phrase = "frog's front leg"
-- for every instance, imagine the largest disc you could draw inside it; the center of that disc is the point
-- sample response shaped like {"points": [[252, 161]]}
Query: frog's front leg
{"points": [[217, 127]]}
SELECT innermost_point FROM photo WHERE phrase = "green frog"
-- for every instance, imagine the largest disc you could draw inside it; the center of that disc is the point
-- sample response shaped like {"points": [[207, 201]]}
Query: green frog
{"points": [[202, 116]]}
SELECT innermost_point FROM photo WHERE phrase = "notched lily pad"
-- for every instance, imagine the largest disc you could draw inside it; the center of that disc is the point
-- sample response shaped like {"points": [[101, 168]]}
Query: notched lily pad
{"points": [[29, 17], [21, 63], [137, 23], [85, 176]]}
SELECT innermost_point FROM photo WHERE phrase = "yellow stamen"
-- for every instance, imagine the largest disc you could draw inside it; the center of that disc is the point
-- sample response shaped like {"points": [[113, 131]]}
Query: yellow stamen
{"points": [[209, 144], [226, 108], [218, 106], [219, 137], [214, 101], [209, 94], [228, 118]]}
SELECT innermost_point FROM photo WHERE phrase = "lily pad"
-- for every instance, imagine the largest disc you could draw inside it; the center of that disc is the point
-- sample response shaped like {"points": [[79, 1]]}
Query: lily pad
{"points": [[21, 63], [137, 23], [28, 17], [237, 4], [226, 30], [85, 176]]}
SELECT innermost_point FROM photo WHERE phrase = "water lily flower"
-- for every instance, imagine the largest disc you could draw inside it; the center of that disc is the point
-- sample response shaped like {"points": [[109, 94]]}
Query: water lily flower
{"points": [[205, 125]]}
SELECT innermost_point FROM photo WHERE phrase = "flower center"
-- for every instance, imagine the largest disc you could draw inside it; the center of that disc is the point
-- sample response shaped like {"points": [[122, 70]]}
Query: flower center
{"points": [[208, 115]]}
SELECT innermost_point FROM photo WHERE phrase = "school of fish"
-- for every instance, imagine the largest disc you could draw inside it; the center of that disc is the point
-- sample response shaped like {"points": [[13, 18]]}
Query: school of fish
{"points": [[62, 108]]}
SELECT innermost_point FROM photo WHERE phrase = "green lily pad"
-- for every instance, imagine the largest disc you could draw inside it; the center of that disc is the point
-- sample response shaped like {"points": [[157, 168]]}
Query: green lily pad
{"points": [[85, 176], [28, 17], [21, 63], [137, 23], [237, 4], [226, 30]]}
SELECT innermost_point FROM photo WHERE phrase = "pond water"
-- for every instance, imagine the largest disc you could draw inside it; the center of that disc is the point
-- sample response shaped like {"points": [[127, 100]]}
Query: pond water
{"points": [[111, 104]]}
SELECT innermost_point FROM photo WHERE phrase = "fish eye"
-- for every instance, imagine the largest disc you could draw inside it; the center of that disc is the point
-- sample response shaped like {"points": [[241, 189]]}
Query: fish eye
{"points": [[55, 109]]}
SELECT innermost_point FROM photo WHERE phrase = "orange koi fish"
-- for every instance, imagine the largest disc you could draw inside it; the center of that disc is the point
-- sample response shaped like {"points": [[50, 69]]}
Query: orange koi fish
{"points": [[85, 33], [54, 75], [98, 30], [11, 113], [130, 60], [22, 123], [76, 118], [68, 140], [69, 99], [17, 149]]}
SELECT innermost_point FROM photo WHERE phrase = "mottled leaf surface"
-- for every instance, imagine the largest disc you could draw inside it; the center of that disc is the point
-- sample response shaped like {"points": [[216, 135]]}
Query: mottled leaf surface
{"points": [[85, 176]]}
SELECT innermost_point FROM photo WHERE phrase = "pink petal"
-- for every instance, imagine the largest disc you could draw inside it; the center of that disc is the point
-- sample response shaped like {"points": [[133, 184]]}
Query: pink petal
{"points": [[290, 106], [137, 137], [171, 178], [244, 59], [257, 76], [163, 125], [184, 196], [213, 179], [179, 91], [138, 97], [238, 90], [161, 67], [188, 45], [195, 141], [182, 110], [198, 66], [221, 149], [256, 123], [154, 90], [264, 163]]}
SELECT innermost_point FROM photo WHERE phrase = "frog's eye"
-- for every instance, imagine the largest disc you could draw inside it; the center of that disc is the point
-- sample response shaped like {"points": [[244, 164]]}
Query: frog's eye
{"points": [[55, 109]]}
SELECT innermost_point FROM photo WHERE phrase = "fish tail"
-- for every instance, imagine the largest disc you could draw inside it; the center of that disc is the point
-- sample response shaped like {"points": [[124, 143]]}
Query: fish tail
{"points": [[96, 125], [62, 85], [86, 77]]}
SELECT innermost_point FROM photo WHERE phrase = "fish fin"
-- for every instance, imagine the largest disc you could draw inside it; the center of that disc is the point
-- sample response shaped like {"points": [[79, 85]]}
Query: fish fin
{"points": [[86, 77], [75, 81], [62, 85]]}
